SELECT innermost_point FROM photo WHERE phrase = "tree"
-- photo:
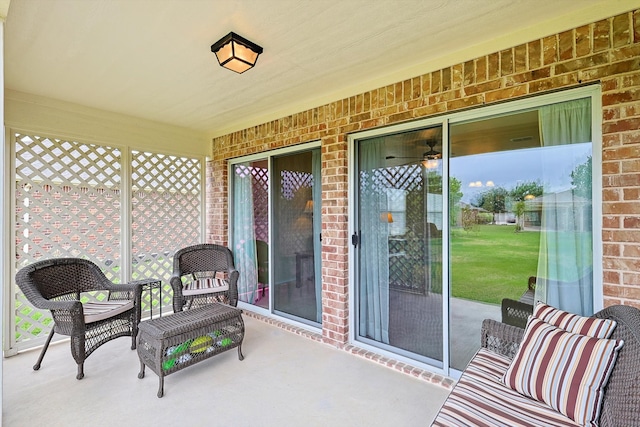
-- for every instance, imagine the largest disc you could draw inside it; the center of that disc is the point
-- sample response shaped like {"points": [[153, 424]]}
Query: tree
{"points": [[581, 179], [522, 190], [493, 200], [455, 195], [469, 219], [519, 194], [519, 211]]}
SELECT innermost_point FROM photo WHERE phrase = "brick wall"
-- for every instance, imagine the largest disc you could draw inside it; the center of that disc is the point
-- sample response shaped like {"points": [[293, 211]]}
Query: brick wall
{"points": [[607, 51]]}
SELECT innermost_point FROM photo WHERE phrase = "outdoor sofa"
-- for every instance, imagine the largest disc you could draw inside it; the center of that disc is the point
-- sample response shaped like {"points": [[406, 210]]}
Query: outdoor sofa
{"points": [[481, 397]]}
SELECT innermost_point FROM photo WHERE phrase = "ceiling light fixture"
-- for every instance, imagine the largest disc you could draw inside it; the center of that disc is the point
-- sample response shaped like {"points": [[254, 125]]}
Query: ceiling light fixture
{"points": [[430, 159], [236, 53]]}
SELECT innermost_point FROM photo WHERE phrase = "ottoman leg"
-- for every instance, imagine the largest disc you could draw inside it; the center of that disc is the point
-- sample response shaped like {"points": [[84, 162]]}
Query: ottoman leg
{"points": [[160, 386], [240, 355], [141, 373]]}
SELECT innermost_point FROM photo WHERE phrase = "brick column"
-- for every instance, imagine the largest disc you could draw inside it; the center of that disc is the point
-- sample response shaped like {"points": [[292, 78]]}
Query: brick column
{"points": [[335, 240], [217, 223]]}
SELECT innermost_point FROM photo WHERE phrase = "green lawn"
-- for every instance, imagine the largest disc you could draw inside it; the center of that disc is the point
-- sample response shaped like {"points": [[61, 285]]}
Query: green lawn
{"points": [[492, 262]]}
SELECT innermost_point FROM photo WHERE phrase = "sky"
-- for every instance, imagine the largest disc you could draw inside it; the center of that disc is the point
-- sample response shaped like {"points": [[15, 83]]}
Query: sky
{"points": [[550, 166]]}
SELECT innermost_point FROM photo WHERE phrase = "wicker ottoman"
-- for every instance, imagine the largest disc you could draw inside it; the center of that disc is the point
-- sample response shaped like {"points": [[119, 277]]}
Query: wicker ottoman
{"points": [[171, 343]]}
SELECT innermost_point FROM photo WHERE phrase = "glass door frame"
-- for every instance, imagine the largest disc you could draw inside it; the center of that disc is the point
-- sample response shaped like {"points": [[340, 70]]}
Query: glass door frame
{"points": [[268, 156], [354, 315], [592, 91]]}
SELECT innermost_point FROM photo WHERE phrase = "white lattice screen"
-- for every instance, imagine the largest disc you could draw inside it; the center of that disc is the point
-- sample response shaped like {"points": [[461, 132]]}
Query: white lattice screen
{"points": [[165, 213], [68, 203]]}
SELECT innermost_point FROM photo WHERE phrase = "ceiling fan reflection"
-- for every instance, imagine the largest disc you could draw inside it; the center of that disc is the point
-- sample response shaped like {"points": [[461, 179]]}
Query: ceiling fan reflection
{"points": [[430, 159]]}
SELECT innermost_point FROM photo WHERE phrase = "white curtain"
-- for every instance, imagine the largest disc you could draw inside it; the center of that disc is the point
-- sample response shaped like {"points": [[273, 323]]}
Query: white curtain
{"points": [[316, 167], [565, 262], [374, 245], [244, 245]]}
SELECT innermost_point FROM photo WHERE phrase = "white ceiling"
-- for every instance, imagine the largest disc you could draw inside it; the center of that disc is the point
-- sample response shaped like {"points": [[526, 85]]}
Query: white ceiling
{"points": [[151, 58]]}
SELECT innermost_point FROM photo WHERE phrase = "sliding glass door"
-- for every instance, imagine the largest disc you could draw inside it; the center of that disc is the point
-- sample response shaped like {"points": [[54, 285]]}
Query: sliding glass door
{"points": [[399, 242], [276, 233], [523, 230], [462, 219], [296, 224]]}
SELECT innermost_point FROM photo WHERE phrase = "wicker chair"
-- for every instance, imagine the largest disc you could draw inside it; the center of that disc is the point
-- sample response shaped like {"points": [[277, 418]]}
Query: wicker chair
{"points": [[57, 284], [203, 274], [517, 313]]}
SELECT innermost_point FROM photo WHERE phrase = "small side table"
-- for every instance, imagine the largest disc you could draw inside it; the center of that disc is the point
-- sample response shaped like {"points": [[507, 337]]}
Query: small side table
{"points": [[149, 285]]}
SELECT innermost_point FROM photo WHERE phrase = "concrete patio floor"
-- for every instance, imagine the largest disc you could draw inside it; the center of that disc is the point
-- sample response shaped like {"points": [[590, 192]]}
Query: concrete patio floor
{"points": [[284, 380]]}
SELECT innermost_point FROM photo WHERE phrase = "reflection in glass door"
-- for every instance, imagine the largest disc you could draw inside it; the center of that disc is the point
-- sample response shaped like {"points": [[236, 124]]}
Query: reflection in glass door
{"points": [[251, 231], [399, 243], [279, 259], [518, 227], [521, 226], [296, 229]]}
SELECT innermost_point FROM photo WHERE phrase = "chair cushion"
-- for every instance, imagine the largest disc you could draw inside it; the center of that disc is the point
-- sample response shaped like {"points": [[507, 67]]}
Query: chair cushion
{"points": [[480, 398], [570, 322], [564, 370], [100, 310], [205, 286]]}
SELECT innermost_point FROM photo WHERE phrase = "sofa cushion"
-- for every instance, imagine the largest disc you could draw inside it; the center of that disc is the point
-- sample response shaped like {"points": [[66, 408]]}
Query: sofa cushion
{"points": [[564, 370], [480, 398], [570, 322]]}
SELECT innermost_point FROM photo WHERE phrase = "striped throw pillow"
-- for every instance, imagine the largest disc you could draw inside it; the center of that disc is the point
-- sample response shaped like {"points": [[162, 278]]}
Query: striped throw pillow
{"points": [[570, 322], [564, 370]]}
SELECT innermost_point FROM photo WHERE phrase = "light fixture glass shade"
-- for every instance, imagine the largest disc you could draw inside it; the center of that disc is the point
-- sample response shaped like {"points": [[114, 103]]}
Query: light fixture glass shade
{"points": [[308, 207], [386, 217], [430, 163], [236, 53]]}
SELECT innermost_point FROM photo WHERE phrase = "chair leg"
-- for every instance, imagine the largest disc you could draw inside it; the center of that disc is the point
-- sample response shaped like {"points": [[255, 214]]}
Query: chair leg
{"points": [[134, 331], [134, 335], [44, 350], [79, 353]]}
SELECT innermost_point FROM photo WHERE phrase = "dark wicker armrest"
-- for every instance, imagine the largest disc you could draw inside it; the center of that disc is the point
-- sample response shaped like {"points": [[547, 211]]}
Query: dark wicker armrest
{"points": [[58, 305], [233, 287], [129, 291], [68, 317], [176, 283], [125, 291], [500, 337]]}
